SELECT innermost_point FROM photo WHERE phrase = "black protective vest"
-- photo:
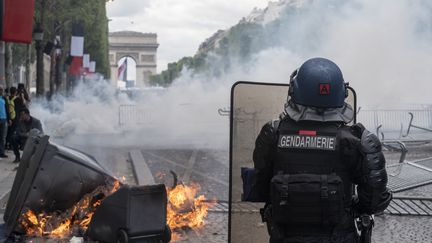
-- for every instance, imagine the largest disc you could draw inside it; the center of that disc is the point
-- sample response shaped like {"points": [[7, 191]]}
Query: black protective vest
{"points": [[309, 147], [311, 188]]}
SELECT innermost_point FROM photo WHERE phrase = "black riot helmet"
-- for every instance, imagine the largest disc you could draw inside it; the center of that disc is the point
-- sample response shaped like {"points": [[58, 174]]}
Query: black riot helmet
{"points": [[318, 83]]}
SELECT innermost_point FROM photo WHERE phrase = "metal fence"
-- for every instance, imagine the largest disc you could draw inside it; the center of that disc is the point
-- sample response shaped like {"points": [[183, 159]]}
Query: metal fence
{"points": [[395, 120], [410, 206], [130, 115], [392, 120]]}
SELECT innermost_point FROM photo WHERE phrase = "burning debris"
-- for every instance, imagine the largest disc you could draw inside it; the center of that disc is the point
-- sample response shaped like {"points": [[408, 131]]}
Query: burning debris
{"points": [[73, 221], [87, 201], [186, 209]]}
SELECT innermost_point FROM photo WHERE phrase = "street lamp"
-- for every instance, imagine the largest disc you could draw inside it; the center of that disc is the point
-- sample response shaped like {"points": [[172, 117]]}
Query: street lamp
{"points": [[38, 35]]}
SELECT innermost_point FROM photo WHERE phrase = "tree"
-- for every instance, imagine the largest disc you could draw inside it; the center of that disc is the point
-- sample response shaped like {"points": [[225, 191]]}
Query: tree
{"points": [[57, 16]]}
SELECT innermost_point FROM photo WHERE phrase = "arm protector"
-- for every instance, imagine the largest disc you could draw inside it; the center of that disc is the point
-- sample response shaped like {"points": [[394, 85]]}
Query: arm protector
{"points": [[265, 145], [373, 193]]}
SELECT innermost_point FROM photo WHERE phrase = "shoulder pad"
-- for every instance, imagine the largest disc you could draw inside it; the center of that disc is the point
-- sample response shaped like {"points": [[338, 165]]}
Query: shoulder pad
{"points": [[357, 129], [268, 133], [275, 124], [370, 142]]}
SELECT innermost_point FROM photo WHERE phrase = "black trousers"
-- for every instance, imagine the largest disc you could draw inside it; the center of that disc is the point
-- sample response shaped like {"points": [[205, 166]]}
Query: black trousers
{"points": [[18, 142], [11, 131]]}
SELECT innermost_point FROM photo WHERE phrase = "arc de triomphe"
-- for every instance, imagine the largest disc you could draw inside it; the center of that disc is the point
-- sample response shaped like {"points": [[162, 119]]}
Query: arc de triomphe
{"points": [[142, 47]]}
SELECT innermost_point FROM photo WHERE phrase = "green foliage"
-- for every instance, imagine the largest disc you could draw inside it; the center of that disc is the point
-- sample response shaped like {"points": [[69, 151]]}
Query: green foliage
{"points": [[165, 78], [50, 14], [239, 43]]}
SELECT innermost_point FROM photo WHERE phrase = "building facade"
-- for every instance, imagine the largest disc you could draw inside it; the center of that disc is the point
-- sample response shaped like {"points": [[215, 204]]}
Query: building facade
{"points": [[141, 47]]}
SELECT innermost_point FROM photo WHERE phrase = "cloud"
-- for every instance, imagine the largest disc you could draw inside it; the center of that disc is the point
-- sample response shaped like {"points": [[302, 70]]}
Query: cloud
{"points": [[127, 8], [181, 25]]}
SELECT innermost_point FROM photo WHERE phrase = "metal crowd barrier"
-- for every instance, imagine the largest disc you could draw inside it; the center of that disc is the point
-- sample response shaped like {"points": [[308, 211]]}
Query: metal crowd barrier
{"points": [[417, 206], [395, 120], [131, 115]]}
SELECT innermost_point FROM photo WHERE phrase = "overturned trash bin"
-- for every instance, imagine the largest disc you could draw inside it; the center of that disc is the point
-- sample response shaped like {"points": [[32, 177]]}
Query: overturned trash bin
{"points": [[132, 214], [54, 181], [51, 178]]}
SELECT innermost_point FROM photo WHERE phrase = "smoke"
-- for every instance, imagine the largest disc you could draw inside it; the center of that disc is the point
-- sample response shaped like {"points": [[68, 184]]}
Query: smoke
{"points": [[383, 48], [96, 114]]}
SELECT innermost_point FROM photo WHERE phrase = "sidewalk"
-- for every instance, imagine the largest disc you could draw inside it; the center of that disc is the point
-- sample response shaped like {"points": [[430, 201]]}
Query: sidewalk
{"points": [[7, 176]]}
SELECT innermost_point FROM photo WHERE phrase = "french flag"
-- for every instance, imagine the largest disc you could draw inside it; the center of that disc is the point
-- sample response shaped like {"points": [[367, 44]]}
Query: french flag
{"points": [[122, 71], [77, 40], [92, 67], [76, 66]]}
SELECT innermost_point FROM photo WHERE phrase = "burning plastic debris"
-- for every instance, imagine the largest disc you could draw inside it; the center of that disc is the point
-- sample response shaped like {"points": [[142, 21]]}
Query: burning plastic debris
{"points": [[185, 209], [73, 221]]}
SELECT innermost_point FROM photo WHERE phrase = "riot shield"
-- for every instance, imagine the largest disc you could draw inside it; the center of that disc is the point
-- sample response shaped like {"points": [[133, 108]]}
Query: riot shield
{"points": [[252, 105]]}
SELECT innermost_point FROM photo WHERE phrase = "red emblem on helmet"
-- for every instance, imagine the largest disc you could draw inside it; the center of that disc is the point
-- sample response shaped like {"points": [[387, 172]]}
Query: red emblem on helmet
{"points": [[324, 89]]}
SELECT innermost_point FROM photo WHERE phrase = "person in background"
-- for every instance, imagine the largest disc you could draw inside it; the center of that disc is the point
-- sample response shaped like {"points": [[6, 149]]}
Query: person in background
{"points": [[26, 123], [4, 121], [11, 99], [22, 93], [20, 101]]}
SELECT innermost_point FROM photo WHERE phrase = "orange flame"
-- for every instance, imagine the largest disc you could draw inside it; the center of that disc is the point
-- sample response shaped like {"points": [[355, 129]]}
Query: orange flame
{"points": [[186, 209], [61, 225]]}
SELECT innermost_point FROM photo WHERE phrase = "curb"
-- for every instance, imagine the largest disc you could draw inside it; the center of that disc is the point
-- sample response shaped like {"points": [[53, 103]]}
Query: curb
{"points": [[3, 200], [142, 173]]}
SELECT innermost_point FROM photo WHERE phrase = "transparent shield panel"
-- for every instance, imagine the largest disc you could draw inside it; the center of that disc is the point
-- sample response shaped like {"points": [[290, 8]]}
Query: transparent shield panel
{"points": [[253, 105], [352, 100]]}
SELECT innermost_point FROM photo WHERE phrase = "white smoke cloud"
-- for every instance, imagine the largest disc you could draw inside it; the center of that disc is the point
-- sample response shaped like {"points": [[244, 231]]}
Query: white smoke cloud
{"points": [[383, 48]]}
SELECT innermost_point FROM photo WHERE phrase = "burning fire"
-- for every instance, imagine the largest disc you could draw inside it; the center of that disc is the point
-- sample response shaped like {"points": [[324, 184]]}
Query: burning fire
{"points": [[73, 221], [186, 209]]}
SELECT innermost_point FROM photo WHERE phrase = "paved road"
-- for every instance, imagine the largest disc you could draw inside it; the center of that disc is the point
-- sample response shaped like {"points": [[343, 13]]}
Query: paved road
{"points": [[209, 168], [7, 175]]}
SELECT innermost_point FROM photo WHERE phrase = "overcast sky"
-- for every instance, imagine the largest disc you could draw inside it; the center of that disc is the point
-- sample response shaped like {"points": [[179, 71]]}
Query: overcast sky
{"points": [[181, 25]]}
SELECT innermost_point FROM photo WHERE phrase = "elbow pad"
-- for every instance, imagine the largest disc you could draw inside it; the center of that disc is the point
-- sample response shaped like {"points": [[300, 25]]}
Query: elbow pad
{"points": [[373, 194], [374, 171]]}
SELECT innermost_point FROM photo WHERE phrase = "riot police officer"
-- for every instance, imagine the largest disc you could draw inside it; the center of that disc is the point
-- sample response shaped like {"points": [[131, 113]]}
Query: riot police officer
{"points": [[315, 172]]}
